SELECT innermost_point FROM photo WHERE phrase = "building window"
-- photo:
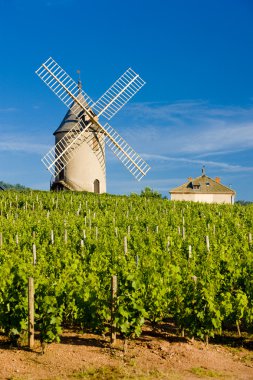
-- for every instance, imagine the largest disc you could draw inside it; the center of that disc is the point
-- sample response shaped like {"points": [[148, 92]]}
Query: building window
{"points": [[196, 187]]}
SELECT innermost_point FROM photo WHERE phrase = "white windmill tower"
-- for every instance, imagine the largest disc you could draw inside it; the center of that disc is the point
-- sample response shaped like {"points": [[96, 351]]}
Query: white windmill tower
{"points": [[77, 161]]}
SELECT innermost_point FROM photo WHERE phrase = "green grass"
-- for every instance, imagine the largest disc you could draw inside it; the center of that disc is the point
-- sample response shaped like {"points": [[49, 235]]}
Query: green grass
{"points": [[205, 372], [122, 373]]}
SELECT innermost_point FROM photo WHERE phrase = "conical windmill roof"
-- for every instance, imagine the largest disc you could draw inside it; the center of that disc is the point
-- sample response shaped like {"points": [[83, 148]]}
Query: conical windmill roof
{"points": [[67, 123], [69, 120]]}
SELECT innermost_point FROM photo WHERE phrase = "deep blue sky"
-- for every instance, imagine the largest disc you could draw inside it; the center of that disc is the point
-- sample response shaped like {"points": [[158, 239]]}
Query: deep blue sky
{"points": [[196, 108]]}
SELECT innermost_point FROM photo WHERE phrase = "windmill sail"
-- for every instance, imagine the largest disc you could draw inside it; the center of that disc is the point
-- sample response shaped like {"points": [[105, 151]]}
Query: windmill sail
{"points": [[85, 110], [79, 102], [118, 94], [63, 152], [125, 153], [63, 86]]}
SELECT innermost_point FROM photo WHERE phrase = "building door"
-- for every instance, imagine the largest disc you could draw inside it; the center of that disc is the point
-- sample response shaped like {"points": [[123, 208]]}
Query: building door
{"points": [[96, 186]]}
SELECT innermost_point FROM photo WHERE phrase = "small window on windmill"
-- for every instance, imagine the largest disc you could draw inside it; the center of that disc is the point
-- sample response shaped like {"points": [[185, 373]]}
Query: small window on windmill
{"points": [[196, 186], [207, 183]]}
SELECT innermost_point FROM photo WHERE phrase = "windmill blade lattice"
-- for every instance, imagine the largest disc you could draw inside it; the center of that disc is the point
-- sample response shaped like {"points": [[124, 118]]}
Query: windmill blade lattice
{"points": [[70, 94], [125, 153], [81, 105], [63, 86], [118, 94]]}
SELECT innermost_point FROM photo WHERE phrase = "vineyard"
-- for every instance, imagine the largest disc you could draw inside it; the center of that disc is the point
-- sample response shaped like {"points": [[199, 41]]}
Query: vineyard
{"points": [[187, 262]]}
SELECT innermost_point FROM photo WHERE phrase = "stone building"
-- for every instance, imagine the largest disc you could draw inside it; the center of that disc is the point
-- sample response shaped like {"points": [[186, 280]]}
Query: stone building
{"points": [[203, 189], [86, 170]]}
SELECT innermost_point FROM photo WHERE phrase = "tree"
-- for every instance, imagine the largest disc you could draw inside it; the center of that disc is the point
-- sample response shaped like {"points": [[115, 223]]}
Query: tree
{"points": [[8, 186], [150, 193]]}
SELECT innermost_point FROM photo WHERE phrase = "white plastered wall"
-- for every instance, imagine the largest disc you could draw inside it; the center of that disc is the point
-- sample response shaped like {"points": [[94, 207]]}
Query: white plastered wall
{"points": [[85, 168], [206, 198]]}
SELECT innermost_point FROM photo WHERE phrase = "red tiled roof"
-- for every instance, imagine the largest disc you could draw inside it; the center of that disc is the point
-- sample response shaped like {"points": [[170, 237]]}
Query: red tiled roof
{"points": [[202, 185]]}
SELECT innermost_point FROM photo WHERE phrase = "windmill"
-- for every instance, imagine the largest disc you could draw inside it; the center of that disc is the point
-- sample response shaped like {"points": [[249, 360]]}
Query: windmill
{"points": [[77, 160]]}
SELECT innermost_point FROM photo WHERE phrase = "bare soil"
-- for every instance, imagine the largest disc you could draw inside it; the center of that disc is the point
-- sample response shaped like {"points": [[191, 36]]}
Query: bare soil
{"points": [[155, 355]]}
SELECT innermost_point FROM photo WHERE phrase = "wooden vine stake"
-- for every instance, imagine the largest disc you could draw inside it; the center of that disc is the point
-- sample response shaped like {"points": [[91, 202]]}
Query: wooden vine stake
{"points": [[1, 239], [34, 254], [125, 245], [137, 260], [113, 309], [207, 244], [30, 313], [189, 252], [52, 236], [168, 244]]}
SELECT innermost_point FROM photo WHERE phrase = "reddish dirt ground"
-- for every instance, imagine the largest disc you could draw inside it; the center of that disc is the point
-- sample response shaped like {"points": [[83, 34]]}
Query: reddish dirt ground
{"points": [[152, 356]]}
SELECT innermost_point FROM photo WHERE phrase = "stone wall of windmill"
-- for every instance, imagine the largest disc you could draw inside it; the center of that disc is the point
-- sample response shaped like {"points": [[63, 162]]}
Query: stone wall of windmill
{"points": [[86, 170]]}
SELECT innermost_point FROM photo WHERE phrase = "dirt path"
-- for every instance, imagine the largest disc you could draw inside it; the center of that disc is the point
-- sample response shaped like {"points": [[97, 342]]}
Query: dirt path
{"points": [[88, 356]]}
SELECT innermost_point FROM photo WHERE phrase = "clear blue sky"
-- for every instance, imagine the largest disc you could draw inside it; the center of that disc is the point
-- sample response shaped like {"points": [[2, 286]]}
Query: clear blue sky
{"points": [[196, 108]]}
